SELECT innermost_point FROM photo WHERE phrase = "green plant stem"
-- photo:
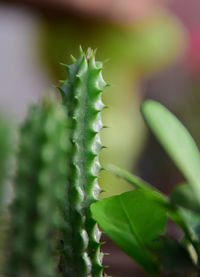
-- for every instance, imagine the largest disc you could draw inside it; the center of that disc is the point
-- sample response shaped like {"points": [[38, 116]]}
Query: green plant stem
{"points": [[39, 184], [82, 96]]}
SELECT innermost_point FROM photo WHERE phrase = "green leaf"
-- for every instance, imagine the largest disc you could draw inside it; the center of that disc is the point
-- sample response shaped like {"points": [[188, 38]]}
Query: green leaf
{"points": [[185, 197], [130, 178], [176, 140], [188, 209], [183, 220], [193, 221], [174, 257], [133, 220]]}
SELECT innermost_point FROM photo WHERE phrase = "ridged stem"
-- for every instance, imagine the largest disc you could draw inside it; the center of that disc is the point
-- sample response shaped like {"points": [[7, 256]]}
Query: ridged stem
{"points": [[39, 184], [82, 96]]}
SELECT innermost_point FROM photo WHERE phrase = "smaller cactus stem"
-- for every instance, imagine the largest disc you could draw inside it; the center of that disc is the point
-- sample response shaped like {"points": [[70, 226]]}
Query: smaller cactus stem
{"points": [[39, 184]]}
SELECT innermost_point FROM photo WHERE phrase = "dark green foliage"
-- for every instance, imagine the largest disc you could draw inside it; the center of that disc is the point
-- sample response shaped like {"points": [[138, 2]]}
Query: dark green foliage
{"points": [[81, 94], [174, 259], [39, 189], [184, 196]]}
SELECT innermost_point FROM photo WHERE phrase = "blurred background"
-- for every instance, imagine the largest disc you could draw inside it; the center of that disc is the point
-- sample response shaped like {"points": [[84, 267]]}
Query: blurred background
{"points": [[151, 49]]}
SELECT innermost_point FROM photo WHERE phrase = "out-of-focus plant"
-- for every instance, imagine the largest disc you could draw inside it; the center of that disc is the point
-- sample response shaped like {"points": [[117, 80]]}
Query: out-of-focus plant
{"points": [[7, 147], [136, 220], [39, 187]]}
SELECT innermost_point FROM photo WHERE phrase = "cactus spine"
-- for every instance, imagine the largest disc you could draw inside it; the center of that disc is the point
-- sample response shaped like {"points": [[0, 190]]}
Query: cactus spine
{"points": [[81, 94], [40, 179]]}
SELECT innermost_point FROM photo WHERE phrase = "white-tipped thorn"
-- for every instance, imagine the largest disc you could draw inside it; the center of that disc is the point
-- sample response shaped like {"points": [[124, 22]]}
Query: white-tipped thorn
{"points": [[61, 81], [73, 58], [81, 50], [63, 64]]}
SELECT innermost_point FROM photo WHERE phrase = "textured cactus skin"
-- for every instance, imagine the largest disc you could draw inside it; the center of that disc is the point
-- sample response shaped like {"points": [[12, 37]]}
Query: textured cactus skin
{"points": [[40, 179], [82, 96], [7, 149]]}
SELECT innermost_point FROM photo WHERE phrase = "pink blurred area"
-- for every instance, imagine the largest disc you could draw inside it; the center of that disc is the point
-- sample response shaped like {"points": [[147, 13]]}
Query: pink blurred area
{"points": [[118, 10], [189, 14], [187, 11], [192, 58]]}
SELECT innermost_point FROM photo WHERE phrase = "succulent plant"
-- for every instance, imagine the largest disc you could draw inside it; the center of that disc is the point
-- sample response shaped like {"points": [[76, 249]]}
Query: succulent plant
{"points": [[81, 93], [39, 188]]}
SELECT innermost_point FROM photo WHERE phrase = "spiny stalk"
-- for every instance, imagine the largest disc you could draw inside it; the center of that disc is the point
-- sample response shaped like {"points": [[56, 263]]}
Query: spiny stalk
{"points": [[81, 94], [40, 179]]}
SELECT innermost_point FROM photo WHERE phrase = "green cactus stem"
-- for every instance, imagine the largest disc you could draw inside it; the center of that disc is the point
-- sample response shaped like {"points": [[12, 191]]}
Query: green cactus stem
{"points": [[81, 94], [7, 148], [40, 179]]}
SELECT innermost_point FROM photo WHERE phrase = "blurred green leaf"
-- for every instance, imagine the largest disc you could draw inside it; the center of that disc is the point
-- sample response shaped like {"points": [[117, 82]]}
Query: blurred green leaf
{"points": [[133, 220], [175, 139], [174, 257], [188, 209], [184, 196], [192, 220], [134, 180]]}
